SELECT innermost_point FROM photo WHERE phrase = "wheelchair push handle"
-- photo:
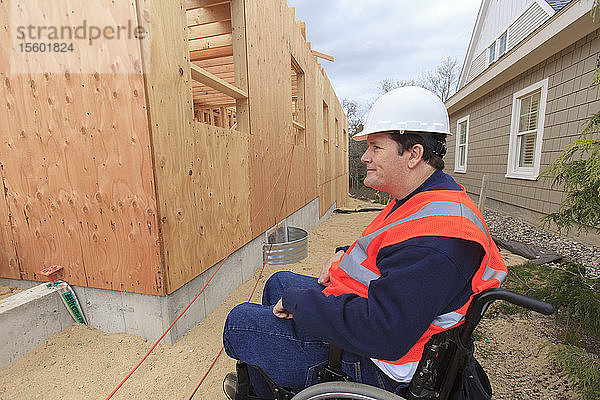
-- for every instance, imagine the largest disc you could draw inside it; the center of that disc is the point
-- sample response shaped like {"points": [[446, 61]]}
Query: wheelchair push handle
{"points": [[482, 300], [487, 297], [527, 302]]}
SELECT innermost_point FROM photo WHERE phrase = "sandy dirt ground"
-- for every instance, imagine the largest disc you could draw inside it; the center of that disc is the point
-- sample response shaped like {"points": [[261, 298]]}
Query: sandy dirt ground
{"points": [[513, 354], [84, 363], [7, 291]]}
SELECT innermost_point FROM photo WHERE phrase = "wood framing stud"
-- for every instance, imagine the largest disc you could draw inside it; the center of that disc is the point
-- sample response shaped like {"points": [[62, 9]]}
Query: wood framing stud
{"points": [[208, 54], [298, 125], [322, 55], [213, 81], [302, 27], [191, 4]]}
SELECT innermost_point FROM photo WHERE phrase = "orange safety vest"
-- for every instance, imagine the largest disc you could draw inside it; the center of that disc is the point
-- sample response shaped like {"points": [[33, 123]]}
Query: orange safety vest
{"points": [[446, 213]]}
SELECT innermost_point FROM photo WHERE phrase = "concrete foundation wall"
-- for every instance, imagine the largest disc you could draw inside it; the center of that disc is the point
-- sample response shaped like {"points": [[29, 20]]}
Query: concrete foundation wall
{"points": [[149, 316], [28, 319]]}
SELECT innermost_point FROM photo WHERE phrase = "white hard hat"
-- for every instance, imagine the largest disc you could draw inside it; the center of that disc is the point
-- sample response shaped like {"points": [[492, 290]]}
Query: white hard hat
{"points": [[408, 108]]}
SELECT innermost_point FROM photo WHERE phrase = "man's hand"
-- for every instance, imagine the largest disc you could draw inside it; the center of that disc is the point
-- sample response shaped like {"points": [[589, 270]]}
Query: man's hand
{"points": [[281, 312], [324, 277]]}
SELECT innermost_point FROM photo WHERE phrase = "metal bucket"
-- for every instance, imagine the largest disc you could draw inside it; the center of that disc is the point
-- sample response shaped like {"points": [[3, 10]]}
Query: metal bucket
{"points": [[286, 245]]}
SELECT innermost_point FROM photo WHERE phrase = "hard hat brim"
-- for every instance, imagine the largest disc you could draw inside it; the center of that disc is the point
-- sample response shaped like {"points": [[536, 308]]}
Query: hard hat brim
{"points": [[362, 135]]}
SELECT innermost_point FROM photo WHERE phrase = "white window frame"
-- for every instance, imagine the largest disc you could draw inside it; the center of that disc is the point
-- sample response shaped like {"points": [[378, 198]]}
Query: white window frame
{"points": [[457, 167], [499, 51], [512, 169], [492, 53], [494, 56]]}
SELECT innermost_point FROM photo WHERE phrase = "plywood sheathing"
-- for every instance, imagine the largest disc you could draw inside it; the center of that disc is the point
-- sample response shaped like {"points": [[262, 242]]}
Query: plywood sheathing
{"points": [[111, 176], [201, 171], [9, 261], [332, 167], [8, 256], [269, 57], [207, 201], [270, 47], [77, 174]]}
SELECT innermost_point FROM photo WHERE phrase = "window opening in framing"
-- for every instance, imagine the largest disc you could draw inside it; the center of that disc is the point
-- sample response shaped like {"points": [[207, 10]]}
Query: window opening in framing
{"points": [[210, 41], [337, 133], [325, 128], [298, 104]]}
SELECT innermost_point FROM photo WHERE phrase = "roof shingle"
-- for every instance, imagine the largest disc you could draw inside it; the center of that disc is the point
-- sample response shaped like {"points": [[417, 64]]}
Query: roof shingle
{"points": [[558, 4]]}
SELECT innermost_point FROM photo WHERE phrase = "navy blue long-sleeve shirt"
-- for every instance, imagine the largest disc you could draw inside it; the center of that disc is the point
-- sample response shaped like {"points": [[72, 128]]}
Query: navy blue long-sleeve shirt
{"points": [[421, 278]]}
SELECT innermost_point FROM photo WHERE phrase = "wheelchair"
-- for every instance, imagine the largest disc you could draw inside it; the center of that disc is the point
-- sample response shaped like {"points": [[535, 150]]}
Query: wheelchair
{"points": [[447, 365]]}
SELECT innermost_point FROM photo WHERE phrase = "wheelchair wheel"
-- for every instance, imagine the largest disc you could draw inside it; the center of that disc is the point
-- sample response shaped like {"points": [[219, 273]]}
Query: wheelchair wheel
{"points": [[345, 390]]}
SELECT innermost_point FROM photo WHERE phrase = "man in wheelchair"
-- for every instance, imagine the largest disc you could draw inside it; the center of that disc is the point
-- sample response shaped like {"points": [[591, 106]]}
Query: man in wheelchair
{"points": [[411, 275]]}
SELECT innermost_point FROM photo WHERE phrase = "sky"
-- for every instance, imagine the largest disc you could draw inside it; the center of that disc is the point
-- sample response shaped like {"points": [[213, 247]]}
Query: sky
{"points": [[380, 39]]}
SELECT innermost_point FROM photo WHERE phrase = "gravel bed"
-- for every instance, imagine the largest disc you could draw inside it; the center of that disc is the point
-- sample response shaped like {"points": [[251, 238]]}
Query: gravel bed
{"points": [[511, 228]]}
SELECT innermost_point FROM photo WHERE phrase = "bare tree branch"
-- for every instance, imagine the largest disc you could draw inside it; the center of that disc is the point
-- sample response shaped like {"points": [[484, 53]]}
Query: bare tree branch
{"points": [[442, 81]]}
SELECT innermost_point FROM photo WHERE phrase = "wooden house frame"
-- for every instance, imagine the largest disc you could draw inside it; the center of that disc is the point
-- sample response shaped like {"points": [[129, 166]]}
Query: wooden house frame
{"points": [[141, 182]]}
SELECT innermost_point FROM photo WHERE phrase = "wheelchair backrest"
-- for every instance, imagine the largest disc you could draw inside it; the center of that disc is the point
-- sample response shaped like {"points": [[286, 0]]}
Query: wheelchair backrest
{"points": [[447, 353]]}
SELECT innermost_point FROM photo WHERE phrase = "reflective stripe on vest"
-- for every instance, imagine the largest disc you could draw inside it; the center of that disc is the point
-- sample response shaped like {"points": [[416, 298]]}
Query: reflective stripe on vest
{"points": [[448, 320], [351, 263], [399, 373]]}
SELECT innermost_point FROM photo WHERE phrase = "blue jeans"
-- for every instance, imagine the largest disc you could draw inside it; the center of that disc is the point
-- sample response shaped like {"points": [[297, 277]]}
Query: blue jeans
{"points": [[290, 356]]}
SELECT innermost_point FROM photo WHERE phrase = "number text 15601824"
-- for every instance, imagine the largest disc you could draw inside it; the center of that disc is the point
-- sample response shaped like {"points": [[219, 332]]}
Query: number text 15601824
{"points": [[57, 47]]}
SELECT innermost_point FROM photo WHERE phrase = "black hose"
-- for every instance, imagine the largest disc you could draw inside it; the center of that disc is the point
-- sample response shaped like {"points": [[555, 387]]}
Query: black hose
{"points": [[342, 211]]}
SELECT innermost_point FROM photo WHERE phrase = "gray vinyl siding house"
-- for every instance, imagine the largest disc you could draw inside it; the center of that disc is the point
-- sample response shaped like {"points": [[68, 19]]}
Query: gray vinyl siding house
{"points": [[524, 94]]}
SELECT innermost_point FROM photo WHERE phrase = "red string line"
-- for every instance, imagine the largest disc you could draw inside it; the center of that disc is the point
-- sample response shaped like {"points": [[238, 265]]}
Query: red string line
{"points": [[276, 225], [206, 373], [207, 282], [259, 275]]}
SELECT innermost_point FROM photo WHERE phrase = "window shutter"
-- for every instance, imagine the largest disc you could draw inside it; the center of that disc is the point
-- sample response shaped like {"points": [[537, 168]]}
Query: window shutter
{"points": [[529, 112], [527, 150], [463, 133], [492, 53], [502, 44]]}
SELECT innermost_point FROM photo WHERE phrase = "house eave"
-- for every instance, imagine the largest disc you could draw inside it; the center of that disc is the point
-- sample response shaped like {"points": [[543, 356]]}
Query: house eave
{"points": [[566, 27], [476, 30]]}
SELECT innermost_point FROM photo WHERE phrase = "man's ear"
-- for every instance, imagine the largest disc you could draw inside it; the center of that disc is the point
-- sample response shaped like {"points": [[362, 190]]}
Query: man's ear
{"points": [[416, 155]]}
